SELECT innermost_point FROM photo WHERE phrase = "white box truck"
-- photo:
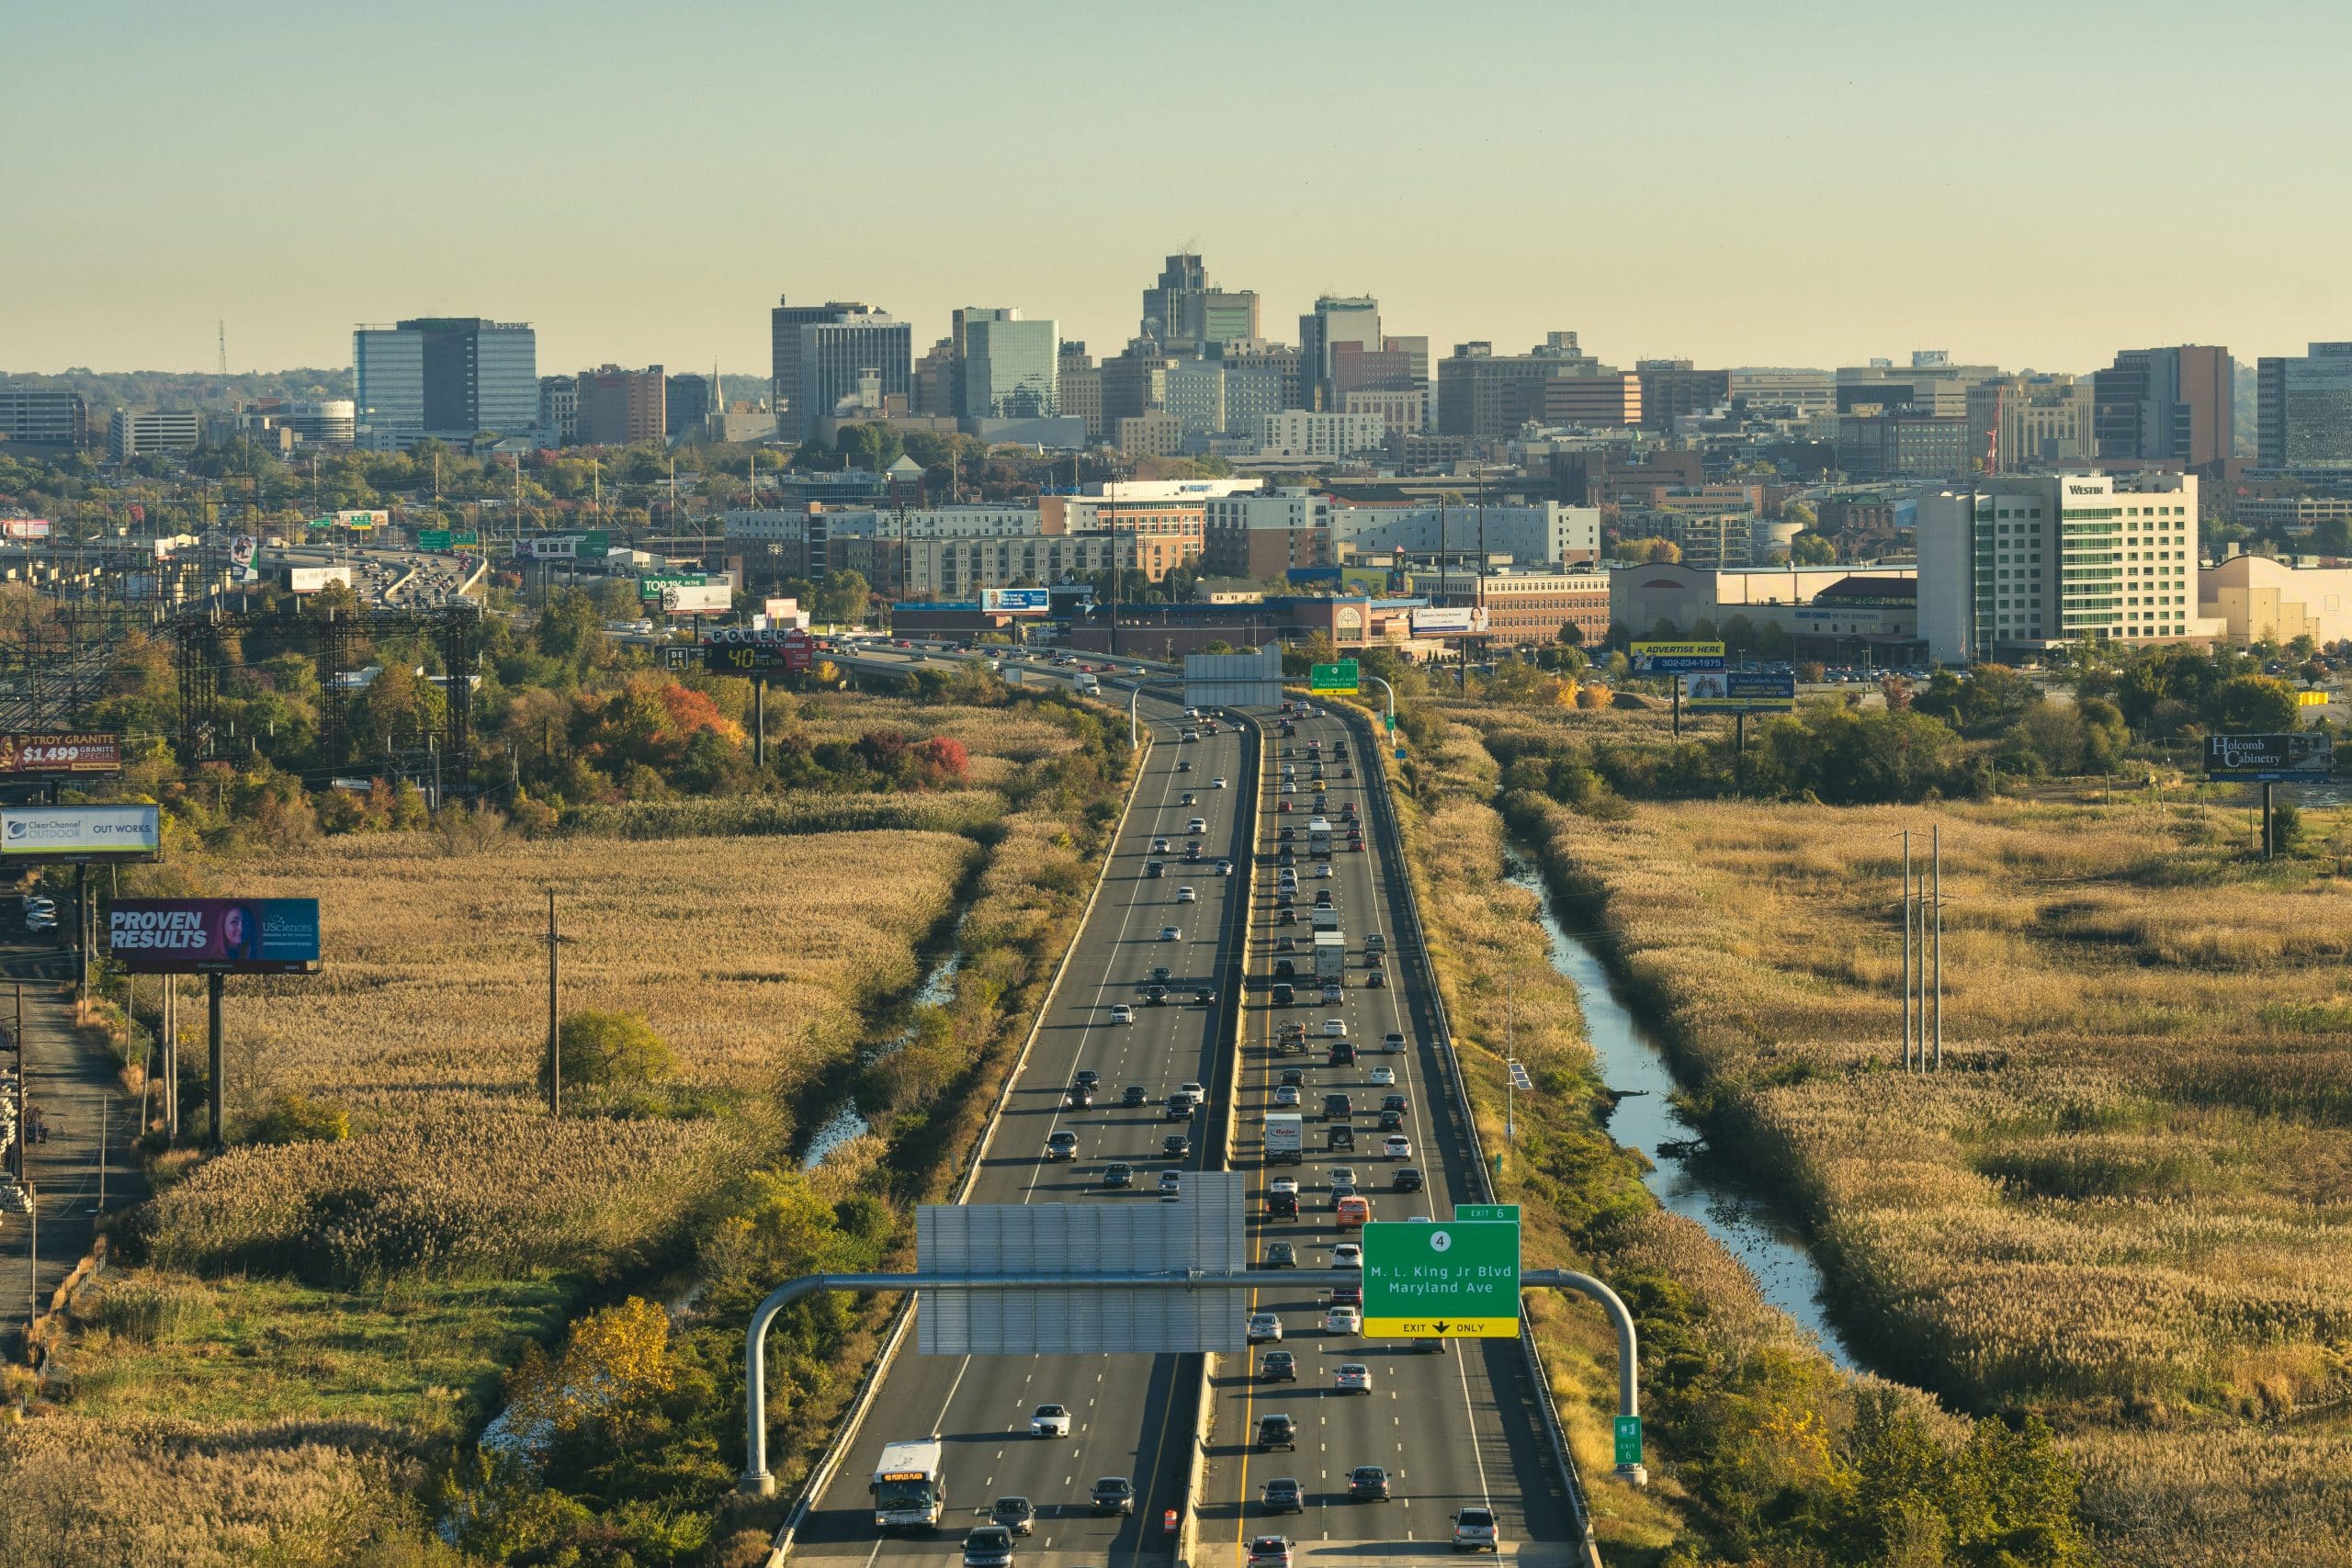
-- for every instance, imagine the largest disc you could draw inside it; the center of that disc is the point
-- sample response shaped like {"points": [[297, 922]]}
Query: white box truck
{"points": [[1318, 838], [1086, 686], [1331, 958], [1285, 1138], [1323, 920]]}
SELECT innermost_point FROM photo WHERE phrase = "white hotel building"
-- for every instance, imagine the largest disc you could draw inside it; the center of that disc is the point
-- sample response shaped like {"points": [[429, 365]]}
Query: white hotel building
{"points": [[2025, 564]]}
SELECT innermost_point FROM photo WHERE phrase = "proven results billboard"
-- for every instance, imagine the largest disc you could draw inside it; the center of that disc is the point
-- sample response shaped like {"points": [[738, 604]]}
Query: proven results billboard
{"points": [[214, 936]]}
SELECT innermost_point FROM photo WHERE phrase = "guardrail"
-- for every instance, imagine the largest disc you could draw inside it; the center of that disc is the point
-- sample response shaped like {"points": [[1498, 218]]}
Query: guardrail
{"points": [[830, 1462], [1391, 834]]}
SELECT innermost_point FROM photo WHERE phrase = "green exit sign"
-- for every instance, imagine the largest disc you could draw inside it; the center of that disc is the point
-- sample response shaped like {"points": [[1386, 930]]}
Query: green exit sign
{"points": [[1340, 677], [1457, 1278], [1629, 1440]]}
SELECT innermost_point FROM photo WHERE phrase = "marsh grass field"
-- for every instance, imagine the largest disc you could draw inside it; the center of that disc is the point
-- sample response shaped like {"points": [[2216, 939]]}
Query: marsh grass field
{"points": [[2122, 1205]]}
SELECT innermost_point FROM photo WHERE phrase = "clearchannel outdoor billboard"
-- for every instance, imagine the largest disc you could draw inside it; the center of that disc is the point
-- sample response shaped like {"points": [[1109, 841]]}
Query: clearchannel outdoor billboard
{"points": [[31, 833]]}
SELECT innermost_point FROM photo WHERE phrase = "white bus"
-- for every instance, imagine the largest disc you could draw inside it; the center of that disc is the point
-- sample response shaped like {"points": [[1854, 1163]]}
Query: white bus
{"points": [[909, 1493]]}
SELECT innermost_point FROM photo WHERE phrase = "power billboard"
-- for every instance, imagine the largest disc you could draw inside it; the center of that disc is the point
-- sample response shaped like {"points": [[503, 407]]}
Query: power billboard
{"points": [[758, 651], [2297, 756], [79, 833], [61, 753], [214, 936]]}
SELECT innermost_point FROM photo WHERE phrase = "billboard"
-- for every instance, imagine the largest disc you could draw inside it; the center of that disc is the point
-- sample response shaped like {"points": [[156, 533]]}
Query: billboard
{"points": [[1459, 622], [214, 936], [2300, 755], [61, 753], [1016, 601], [651, 587], [709, 599], [25, 527], [1676, 658], [361, 519], [315, 578], [79, 833], [759, 650], [1738, 690], [243, 549], [593, 545]]}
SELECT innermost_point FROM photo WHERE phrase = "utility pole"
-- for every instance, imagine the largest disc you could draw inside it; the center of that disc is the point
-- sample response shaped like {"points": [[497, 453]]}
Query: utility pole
{"points": [[555, 1047], [1908, 1039], [1936, 841]]}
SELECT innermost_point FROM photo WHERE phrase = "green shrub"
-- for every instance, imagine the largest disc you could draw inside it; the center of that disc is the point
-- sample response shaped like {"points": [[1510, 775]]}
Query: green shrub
{"points": [[294, 1117], [612, 1047]]}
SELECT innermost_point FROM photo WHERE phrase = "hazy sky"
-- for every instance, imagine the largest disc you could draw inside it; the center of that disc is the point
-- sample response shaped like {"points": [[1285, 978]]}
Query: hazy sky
{"points": [[1768, 182]]}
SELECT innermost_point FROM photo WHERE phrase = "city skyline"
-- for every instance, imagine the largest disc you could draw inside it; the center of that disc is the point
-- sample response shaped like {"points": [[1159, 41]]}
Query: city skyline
{"points": [[1829, 200]]}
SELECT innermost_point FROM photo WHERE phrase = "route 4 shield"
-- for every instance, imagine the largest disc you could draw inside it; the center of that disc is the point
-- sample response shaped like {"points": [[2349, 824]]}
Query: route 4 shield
{"points": [[1453, 1280]]}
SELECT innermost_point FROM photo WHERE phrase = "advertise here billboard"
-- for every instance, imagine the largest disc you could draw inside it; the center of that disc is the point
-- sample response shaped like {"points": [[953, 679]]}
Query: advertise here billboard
{"points": [[24, 527], [79, 833], [315, 578], [2302, 754], [214, 936], [710, 598], [1738, 690], [1016, 601], [1675, 658], [61, 753]]}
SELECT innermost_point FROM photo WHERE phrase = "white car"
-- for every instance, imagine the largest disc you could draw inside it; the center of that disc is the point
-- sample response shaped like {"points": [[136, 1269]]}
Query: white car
{"points": [[1197, 824], [1050, 1421], [1343, 1320], [1169, 933], [1287, 1097], [1396, 1146], [1323, 870], [1265, 1328], [1194, 1092], [1347, 1255], [1122, 1013], [1284, 1184], [1186, 895], [1216, 783], [1353, 1377], [1381, 1077], [1335, 1028]]}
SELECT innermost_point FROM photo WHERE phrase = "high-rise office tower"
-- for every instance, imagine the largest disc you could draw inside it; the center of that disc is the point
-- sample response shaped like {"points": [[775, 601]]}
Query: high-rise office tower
{"points": [[823, 353], [623, 408], [1182, 312], [1335, 319], [2167, 404], [1008, 366], [447, 376], [2303, 409], [692, 400]]}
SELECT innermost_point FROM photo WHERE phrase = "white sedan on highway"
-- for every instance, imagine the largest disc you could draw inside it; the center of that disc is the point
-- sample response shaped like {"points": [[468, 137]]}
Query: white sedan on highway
{"points": [[1050, 1421]]}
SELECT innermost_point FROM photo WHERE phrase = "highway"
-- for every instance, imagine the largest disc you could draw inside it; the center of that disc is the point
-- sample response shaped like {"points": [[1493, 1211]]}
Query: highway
{"points": [[1453, 1428], [1131, 1415]]}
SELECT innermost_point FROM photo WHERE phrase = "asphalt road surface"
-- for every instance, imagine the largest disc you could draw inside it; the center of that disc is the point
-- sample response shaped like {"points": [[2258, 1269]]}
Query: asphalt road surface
{"points": [[1130, 1414]]}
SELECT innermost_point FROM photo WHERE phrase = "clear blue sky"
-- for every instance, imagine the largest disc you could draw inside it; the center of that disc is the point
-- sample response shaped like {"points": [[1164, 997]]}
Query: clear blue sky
{"points": [[1801, 182]]}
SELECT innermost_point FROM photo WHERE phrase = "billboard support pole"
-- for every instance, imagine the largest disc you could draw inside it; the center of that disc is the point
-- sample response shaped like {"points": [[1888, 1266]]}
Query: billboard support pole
{"points": [[216, 986], [1678, 706], [2267, 833], [81, 933], [1739, 749], [759, 723]]}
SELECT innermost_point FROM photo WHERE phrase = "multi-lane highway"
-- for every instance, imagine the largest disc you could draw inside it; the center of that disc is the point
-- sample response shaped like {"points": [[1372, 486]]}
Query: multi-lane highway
{"points": [[1454, 1429], [1130, 1415]]}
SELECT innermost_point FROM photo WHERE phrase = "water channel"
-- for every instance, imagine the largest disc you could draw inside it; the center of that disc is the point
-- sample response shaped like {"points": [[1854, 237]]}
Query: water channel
{"points": [[844, 1124], [1683, 1175]]}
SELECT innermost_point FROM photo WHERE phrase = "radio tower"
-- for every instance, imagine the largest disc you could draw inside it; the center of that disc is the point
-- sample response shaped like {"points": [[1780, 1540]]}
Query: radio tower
{"points": [[223, 325]]}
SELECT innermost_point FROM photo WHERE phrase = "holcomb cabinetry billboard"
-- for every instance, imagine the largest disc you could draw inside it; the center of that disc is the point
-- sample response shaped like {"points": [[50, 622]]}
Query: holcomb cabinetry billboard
{"points": [[214, 936]]}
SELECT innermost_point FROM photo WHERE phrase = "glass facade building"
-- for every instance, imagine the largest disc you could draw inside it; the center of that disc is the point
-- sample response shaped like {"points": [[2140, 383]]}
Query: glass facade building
{"points": [[452, 375], [1011, 368]]}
